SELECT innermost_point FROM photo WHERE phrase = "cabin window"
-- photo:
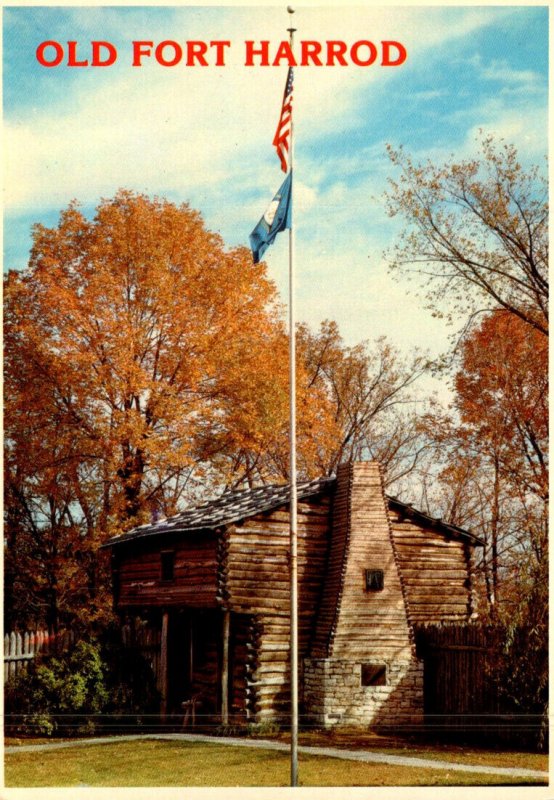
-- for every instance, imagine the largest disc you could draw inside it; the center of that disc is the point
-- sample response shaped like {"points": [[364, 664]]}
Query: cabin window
{"points": [[374, 674], [374, 580], [168, 565]]}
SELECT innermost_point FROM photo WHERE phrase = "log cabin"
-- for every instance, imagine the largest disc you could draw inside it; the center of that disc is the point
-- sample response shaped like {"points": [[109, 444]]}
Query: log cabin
{"points": [[214, 581]]}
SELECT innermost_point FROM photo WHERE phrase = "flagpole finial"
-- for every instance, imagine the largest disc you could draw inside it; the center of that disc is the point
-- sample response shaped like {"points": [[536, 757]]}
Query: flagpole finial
{"points": [[291, 30]]}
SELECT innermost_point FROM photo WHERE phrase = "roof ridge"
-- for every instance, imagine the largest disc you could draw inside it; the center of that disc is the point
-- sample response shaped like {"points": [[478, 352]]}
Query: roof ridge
{"points": [[236, 504]]}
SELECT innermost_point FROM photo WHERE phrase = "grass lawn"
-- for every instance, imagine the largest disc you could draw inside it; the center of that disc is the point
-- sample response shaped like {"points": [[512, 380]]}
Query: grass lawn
{"points": [[419, 747], [166, 763]]}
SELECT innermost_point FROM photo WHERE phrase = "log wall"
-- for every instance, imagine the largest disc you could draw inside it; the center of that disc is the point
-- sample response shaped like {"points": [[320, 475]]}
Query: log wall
{"points": [[254, 579], [138, 577], [335, 566], [435, 569]]}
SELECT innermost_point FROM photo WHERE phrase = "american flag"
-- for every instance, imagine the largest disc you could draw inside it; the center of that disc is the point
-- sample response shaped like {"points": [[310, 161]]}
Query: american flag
{"points": [[281, 140]]}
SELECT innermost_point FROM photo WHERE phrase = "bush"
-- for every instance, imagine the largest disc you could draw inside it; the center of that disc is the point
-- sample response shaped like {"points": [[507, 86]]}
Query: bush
{"points": [[97, 686], [266, 727], [64, 694]]}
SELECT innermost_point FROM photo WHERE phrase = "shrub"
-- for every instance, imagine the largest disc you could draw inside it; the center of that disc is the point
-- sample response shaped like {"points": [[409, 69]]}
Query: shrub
{"points": [[520, 673], [96, 686], [64, 694]]}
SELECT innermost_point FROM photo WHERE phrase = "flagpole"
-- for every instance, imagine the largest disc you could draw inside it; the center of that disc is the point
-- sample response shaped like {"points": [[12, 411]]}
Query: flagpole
{"points": [[293, 564]]}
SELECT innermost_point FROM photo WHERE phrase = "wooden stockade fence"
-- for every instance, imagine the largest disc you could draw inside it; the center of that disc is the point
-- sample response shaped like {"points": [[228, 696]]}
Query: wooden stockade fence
{"points": [[22, 647], [458, 691]]}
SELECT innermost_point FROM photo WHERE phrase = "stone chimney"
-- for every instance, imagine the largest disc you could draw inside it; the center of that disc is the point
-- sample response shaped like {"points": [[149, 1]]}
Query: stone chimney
{"points": [[363, 668]]}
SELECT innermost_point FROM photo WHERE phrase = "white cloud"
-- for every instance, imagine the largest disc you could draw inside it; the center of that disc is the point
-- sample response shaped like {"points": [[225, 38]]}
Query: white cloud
{"points": [[203, 135], [186, 128], [500, 70]]}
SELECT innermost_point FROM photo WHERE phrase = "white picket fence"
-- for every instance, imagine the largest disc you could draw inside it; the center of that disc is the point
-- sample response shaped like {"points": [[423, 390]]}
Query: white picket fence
{"points": [[22, 647]]}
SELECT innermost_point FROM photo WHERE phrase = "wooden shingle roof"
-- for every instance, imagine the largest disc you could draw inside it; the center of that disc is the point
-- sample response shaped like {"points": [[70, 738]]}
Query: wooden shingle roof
{"points": [[228, 508], [233, 506]]}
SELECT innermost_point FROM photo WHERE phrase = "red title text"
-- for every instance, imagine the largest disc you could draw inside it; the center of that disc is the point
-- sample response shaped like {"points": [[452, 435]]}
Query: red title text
{"points": [[195, 53]]}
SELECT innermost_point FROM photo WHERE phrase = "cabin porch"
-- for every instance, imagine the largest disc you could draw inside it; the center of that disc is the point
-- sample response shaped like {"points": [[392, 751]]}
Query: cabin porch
{"points": [[199, 657]]}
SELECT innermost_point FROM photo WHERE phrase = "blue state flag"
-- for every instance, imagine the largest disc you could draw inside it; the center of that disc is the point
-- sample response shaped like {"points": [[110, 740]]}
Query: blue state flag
{"points": [[276, 219]]}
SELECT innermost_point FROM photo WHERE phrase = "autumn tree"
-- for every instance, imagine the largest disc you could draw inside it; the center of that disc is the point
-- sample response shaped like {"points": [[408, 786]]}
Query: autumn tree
{"points": [[491, 475], [502, 396], [145, 363], [476, 236], [494, 454], [476, 232], [502, 392], [494, 480], [370, 391]]}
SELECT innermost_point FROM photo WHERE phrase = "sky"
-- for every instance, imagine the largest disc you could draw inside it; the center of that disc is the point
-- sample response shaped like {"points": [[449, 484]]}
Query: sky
{"points": [[203, 135]]}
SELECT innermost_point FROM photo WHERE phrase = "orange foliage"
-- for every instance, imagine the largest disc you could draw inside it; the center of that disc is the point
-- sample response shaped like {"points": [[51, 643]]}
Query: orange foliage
{"points": [[502, 394], [495, 478], [145, 363]]}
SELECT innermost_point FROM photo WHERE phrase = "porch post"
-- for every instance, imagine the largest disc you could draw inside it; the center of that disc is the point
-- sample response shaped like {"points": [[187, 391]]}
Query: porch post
{"points": [[163, 666], [191, 651], [225, 668]]}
